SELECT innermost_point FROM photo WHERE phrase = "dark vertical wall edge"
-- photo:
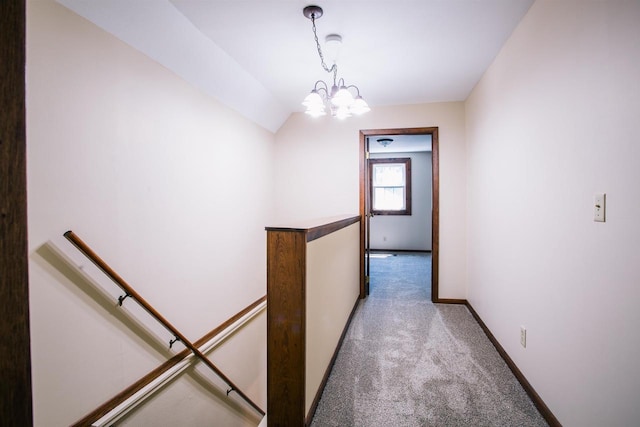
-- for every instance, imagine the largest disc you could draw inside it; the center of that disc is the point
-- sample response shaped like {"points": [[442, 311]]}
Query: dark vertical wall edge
{"points": [[15, 356], [435, 215], [363, 215]]}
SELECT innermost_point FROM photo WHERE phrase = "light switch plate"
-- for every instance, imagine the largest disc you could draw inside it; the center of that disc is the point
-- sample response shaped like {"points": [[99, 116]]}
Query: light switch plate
{"points": [[599, 207]]}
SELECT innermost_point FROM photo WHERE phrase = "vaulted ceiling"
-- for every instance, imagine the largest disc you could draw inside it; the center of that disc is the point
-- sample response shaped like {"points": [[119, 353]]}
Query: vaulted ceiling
{"points": [[259, 56]]}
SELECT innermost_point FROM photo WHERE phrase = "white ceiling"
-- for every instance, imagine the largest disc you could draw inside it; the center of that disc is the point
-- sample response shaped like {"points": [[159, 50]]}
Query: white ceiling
{"points": [[259, 56], [401, 144]]}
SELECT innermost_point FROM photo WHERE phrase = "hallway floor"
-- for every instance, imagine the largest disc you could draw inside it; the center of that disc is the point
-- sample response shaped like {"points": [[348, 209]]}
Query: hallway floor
{"points": [[408, 362]]}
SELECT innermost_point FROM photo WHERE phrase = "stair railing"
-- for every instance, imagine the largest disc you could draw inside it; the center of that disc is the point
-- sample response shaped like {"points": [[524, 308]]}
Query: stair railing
{"points": [[116, 407], [131, 293]]}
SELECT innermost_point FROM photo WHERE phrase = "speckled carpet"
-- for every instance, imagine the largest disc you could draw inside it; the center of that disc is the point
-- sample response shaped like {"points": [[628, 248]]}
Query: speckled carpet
{"points": [[408, 362]]}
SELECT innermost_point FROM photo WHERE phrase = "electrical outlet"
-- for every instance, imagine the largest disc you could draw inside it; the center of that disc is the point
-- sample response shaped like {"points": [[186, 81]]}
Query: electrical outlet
{"points": [[523, 336]]}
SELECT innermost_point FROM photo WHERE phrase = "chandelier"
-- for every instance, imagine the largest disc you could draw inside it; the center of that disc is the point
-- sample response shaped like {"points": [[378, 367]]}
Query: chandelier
{"points": [[339, 99]]}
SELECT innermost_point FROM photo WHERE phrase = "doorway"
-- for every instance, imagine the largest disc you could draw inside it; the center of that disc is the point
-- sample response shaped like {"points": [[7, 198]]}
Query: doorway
{"points": [[366, 207]]}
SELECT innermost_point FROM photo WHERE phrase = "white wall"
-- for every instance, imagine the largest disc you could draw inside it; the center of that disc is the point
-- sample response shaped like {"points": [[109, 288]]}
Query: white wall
{"points": [[407, 232], [317, 173], [551, 123], [169, 187]]}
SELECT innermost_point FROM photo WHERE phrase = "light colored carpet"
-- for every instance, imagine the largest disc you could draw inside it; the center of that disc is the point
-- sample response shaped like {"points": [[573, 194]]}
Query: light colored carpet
{"points": [[408, 362]]}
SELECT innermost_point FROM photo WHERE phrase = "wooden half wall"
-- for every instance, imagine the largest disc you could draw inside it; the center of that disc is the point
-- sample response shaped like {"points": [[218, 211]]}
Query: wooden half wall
{"points": [[313, 285]]}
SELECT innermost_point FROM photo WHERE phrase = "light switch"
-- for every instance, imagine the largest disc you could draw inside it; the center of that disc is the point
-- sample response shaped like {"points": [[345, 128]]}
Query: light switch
{"points": [[599, 208]]}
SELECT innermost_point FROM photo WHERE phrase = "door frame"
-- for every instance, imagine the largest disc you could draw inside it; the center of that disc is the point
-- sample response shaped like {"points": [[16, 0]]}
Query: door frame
{"points": [[15, 355], [435, 200]]}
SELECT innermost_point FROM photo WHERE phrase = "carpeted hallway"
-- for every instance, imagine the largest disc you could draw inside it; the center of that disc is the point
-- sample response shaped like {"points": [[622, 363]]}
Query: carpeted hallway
{"points": [[408, 362]]}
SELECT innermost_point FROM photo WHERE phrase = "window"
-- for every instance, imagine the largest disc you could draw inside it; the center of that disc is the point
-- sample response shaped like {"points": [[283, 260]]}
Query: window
{"points": [[390, 186]]}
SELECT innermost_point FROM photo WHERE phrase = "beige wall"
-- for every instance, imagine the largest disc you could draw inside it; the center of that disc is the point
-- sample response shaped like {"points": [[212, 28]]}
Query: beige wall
{"points": [[551, 123], [332, 289], [138, 163], [169, 187], [317, 173]]}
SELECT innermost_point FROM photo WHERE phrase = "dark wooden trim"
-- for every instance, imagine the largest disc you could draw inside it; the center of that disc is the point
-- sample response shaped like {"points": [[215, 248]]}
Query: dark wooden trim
{"points": [[325, 378], [435, 197], [362, 200], [109, 405], [450, 301], [323, 230], [401, 250], [535, 397], [408, 194], [286, 327], [435, 215], [286, 320], [320, 227], [15, 349], [399, 131]]}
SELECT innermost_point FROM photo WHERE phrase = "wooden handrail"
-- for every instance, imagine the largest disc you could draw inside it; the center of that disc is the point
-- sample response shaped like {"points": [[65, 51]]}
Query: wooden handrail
{"points": [[318, 228], [102, 265], [128, 392]]}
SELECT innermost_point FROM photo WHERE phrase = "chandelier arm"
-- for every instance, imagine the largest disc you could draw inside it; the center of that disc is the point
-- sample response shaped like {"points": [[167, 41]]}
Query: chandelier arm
{"points": [[323, 83], [323, 88], [355, 87], [324, 94]]}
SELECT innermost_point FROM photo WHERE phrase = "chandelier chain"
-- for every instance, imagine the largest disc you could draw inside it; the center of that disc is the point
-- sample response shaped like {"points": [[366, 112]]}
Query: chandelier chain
{"points": [[342, 101], [334, 67]]}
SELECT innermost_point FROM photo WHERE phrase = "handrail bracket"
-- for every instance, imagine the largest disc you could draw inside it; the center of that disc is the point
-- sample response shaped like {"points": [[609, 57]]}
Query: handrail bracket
{"points": [[121, 298], [173, 341]]}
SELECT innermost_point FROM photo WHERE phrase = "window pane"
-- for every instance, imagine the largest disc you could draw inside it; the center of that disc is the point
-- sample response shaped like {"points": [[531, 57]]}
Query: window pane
{"points": [[388, 175], [390, 183], [388, 198]]}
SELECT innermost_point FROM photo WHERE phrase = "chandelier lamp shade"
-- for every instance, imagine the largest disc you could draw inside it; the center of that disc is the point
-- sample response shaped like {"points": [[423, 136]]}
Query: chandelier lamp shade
{"points": [[340, 99], [385, 141]]}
